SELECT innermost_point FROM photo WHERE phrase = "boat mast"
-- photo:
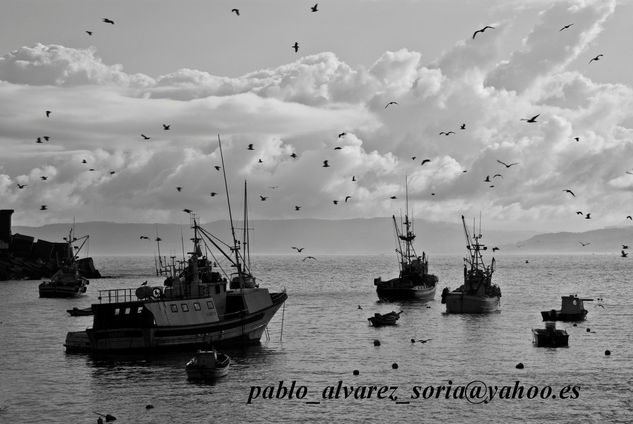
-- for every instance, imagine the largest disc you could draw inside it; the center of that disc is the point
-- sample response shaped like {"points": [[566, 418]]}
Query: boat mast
{"points": [[235, 249]]}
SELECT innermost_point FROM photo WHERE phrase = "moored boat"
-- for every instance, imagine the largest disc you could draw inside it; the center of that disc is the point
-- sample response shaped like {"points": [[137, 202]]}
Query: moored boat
{"points": [[550, 336], [414, 280], [67, 281], [477, 295], [384, 319], [192, 309], [572, 309], [208, 365], [79, 312]]}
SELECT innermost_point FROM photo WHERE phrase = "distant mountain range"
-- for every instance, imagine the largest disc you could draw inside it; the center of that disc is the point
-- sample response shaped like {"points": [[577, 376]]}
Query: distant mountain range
{"points": [[318, 236]]}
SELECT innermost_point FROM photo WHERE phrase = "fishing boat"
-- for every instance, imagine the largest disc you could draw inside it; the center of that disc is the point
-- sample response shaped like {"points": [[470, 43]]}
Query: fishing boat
{"points": [[572, 309], [194, 308], [79, 312], [550, 336], [379, 320], [208, 365], [67, 281], [414, 280], [477, 295]]}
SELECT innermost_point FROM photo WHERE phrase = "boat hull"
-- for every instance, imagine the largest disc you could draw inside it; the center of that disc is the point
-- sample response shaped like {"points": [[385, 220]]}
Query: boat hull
{"points": [[545, 338], [244, 329], [461, 303], [399, 289], [555, 315], [50, 289]]}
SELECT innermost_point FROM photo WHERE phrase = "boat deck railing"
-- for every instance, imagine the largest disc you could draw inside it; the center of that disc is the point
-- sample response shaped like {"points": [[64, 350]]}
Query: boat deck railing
{"points": [[117, 295]]}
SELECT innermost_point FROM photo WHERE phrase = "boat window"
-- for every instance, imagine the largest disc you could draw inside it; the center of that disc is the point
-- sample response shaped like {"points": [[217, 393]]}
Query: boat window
{"points": [[185, 307], [127, 311], [196, 306], [210, 304], [139, 310], [174, 308], [116, 311]]}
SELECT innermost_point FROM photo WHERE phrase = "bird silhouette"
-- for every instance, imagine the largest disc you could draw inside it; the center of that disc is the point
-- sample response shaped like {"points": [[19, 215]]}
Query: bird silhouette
{"points": [[335, 202], [21, 186], [144, 283], [597, 58], [166, 127], [89, 32], [629, 217], [217, 168], [393, 197], [43, 208], [532, 119], [112, 172], [213, 194], [565, 27], [347, 198], [497, 175], [84, 161], [506, 164], [263, 198], [48, 113], [447, 133], [584, 244], [624, 246], [487, 180], [482, 30], [390, 103], [624, 255], [570, 192], [413, 157], [309, 257], [46, 138], [462, 127], [577, 139], [298, 249], [293, 155], [315, 7], [185, 210], [420, 340], [354, 178], [91, 169], [579, 213], [44, 177], [425, 161], [236, 11], [145, 137], [338, 148], [588, 216], [39, 140], [341, 135], [295, 46], [144, 238], [360, 307], [108, 21], [179, 188], [259, 160], [326, 164], [297, 207], [494, 249]]}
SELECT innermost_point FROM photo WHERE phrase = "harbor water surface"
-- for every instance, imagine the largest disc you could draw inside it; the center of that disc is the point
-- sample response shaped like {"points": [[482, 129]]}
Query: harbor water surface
{"points": [[326, 336]]}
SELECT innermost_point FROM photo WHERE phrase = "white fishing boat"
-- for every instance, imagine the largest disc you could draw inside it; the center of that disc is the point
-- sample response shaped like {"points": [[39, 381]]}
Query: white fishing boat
{"points": [[67, 281], [477, 295]]}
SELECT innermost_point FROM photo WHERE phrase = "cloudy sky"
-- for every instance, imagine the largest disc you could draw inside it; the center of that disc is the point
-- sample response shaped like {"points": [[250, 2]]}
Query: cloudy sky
{"points": [[203, 70]]}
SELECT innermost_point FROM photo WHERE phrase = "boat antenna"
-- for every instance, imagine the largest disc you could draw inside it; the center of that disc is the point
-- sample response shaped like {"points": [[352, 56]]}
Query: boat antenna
{"points": [[228, 201], [182, 244]]}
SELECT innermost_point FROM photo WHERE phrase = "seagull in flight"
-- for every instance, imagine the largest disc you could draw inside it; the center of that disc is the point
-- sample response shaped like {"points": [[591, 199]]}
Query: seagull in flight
{"points": [[584, 244], [494, 249], [166, 127], [315, 7], [565, 27], [236, 11], [506, 164], [144, 238], [108, 21], [629, 217], [462, 127], [293, 155], [213, 194], [588, 216], [297, 207], [185, 210], [390, 103], [326, 164], [393, 197], [145, 137], [532, 119], [425, 161], [250, 147], [21, 186], [48, 113], [577, 139], [482, 30], [342, 134], [420, 340], [335, 202], [217, 168], [44, 177], [579, 213], [309, 257], [298, 249], [338, 148], [179, 188], [597, 58], [263, 198], [447, 133], [570, 192], [295, 46], [347, 198], [43, 208], [89, 32]]}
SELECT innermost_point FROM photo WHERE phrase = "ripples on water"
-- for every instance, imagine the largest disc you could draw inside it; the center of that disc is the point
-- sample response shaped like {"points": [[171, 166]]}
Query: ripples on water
{"points": [[326, 337]]}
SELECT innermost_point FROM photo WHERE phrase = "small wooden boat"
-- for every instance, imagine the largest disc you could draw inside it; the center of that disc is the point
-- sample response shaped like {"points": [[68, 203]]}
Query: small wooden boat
{"points": [[80, 312], [208, 364], [384, 319], [572, 310], [550, 336]]}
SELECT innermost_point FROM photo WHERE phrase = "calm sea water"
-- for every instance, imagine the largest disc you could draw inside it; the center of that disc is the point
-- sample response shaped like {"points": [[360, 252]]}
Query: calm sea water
{"points": [[326, 336]]}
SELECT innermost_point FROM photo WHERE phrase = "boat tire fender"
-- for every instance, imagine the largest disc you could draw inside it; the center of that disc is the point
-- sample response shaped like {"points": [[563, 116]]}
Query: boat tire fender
{"points": [[157, 293]]}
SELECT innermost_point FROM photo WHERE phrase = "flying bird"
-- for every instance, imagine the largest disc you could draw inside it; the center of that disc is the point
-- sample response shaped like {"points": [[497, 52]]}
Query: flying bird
{"points": [[624, 246], [497, 175], [298, 249], [260, 160], [46, 138], [293, 155], [43, 208], [629, 217], [570, 192], [263, 198], [565, 27], [487, 180], [213, 194], [179, 188], [112, 172], [21, 186], [44, 177], [335, 202], [39, 140], [584, 244], [89, 32], [413, 157], [250, 147], [295, 46], [341, 135], [84, 161], [482, 30], [338, 148], [48, 113], [425, 161], [420, 340], [91, 169], [217, 168], [588, 216], [326, 164], [144, 238], [577, 139], [236, 11], [494, 249], [185, 210], [506, 164], [314, 8], [532, 119], [347, 198], [390, 103], [579, 213], [166, 127], [447, 133], [596, 58], [309, 257], [108, 21], [393, 197], [353, 177], [462, 127], [145, 137], [297, 207]]}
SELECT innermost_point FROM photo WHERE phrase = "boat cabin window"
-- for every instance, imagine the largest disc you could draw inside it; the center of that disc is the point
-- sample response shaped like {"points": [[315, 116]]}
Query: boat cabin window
{"points": [[127, 311], [196, 306], [116, 311], [185, 307], [174, 308], [210, 304], [139, 310]]}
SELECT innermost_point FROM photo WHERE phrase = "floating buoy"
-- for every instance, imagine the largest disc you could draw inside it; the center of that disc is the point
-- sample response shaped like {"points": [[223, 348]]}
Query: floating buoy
{"points": [[149, 406], [412, 340], [376, 342], [588, 330], [356, 372], [519, 366], [607, 352], [394, 366]]}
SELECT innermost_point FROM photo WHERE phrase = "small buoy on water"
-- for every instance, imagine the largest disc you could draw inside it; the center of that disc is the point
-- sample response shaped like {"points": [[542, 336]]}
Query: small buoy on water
{"points": [[376, 342], [355, 372], [412, 340], [588, 330], [149, 406], [519, 366], [607, 352], [394, 366]]}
